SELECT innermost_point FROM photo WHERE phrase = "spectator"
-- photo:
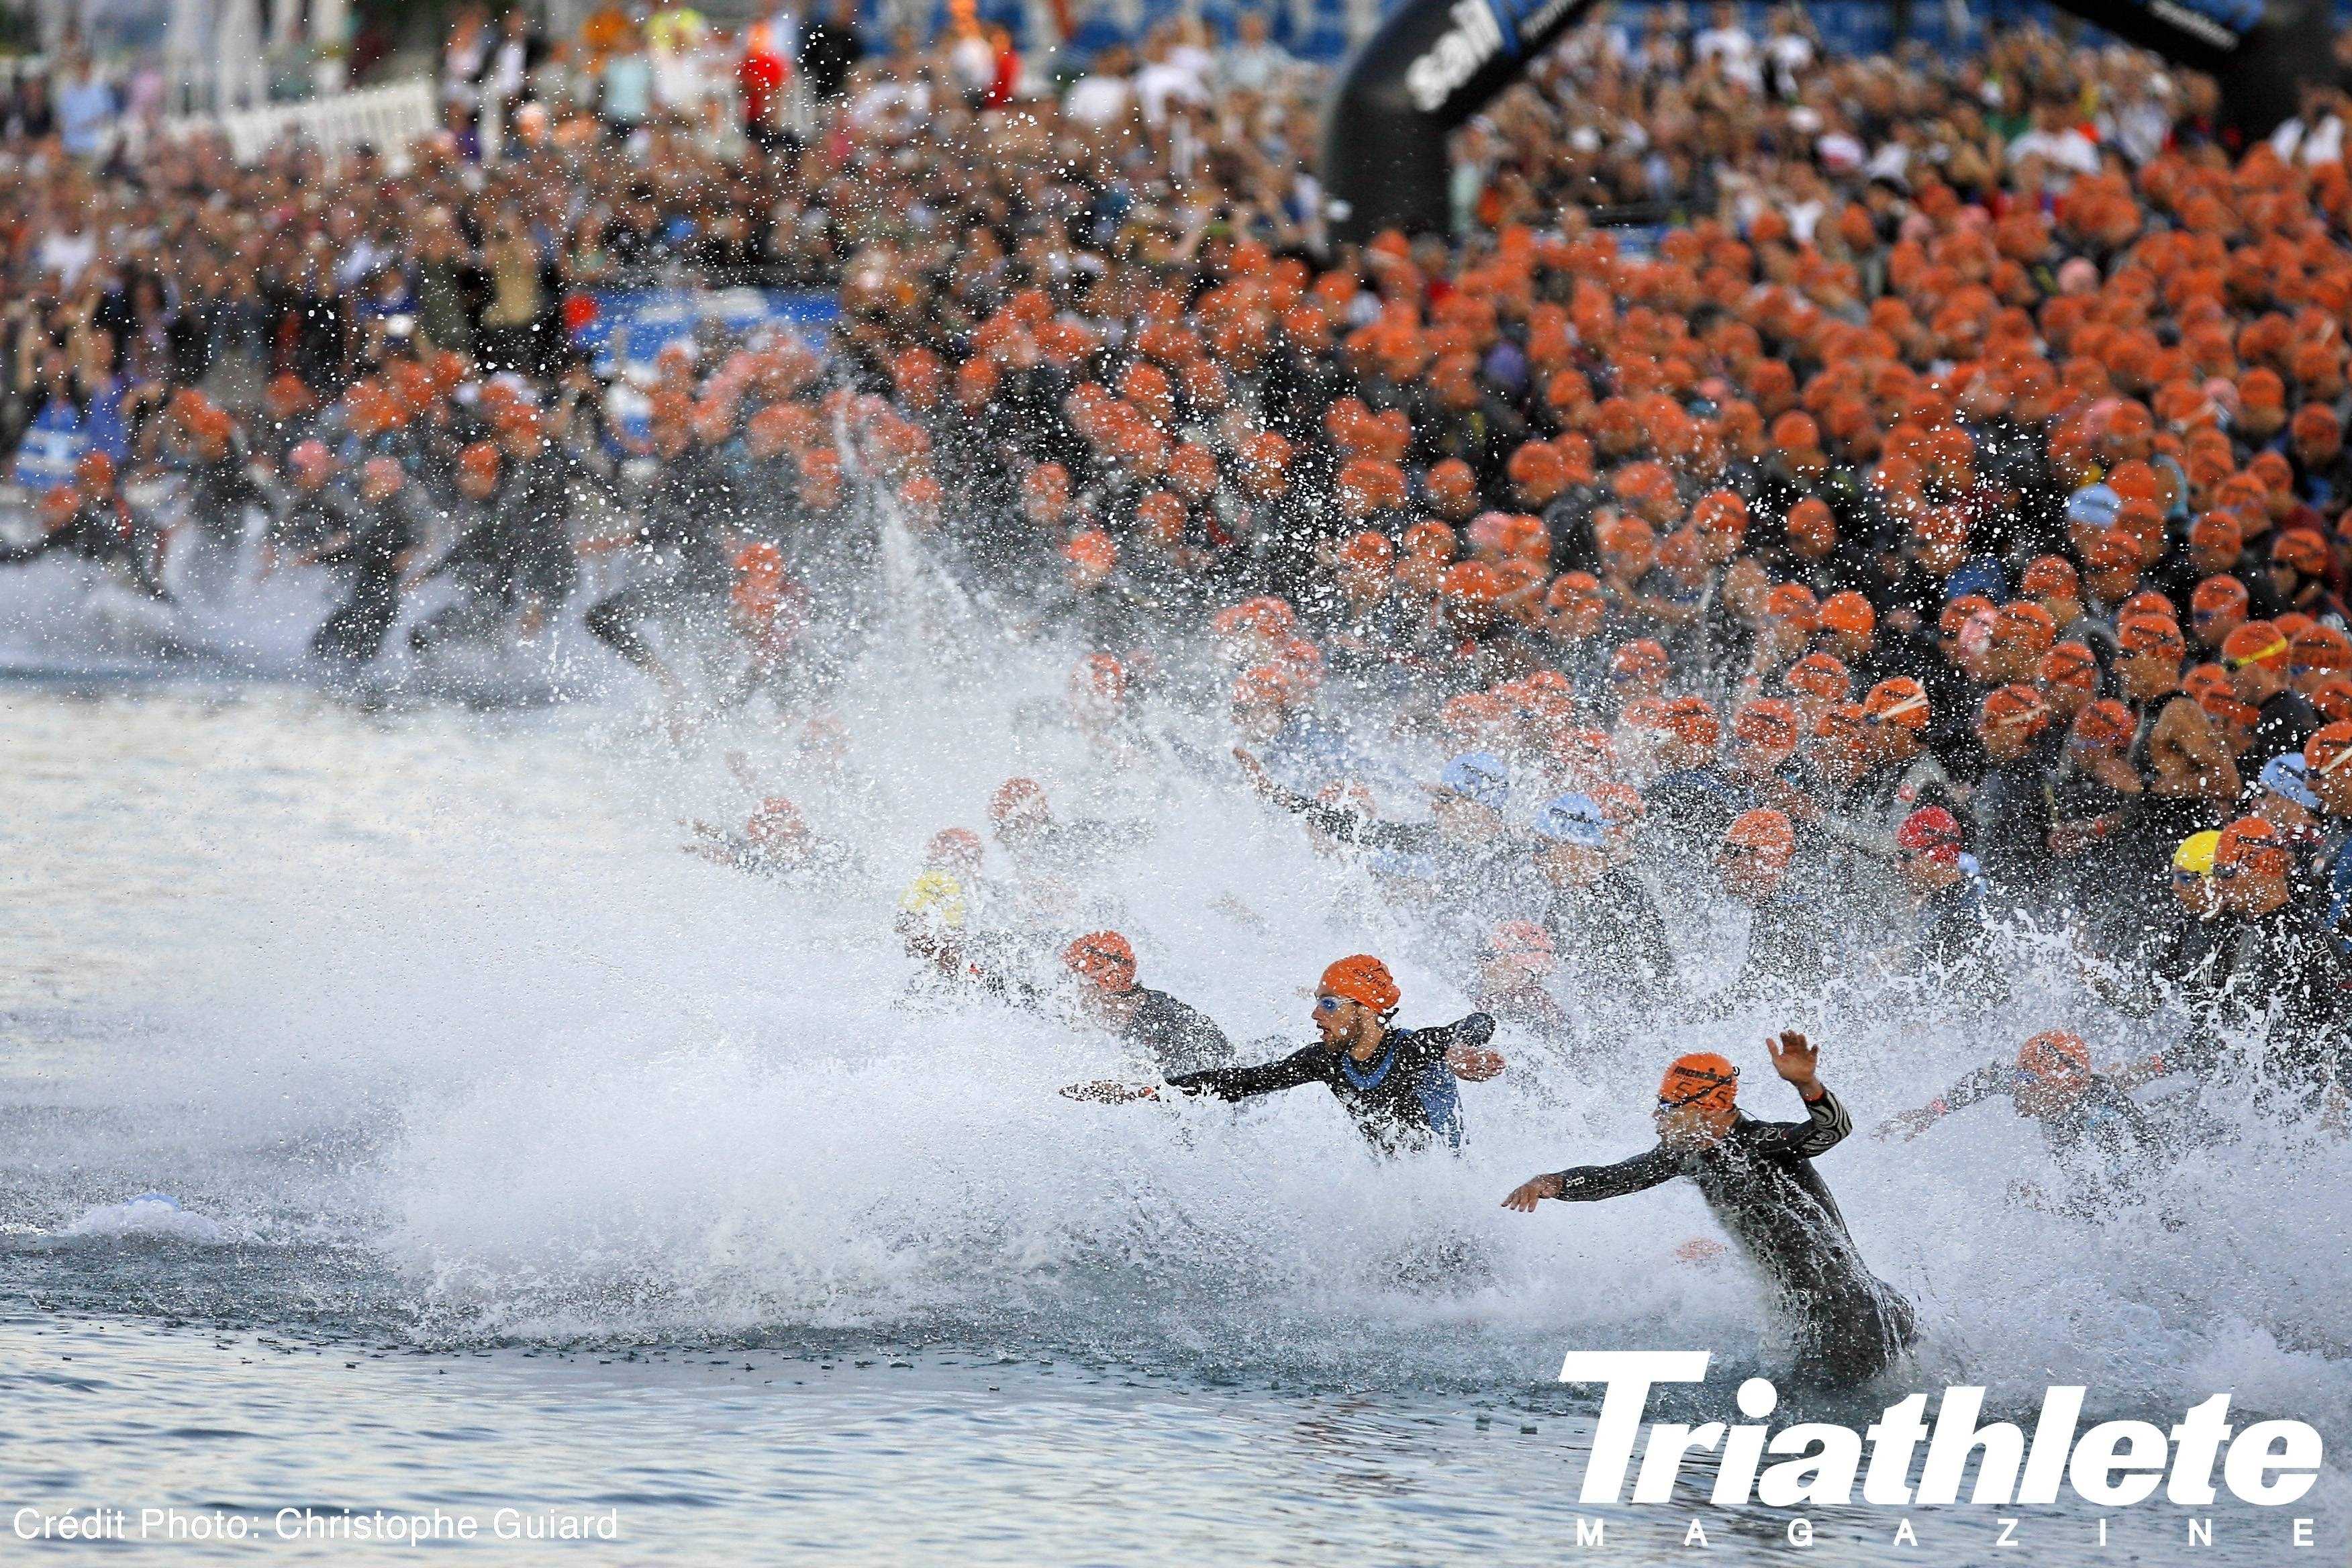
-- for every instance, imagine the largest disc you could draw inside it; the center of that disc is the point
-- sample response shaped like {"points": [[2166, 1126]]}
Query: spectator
{"points": [[86, 110], [627, 94], [1256, 63], [1105, 96], [831, 49]]}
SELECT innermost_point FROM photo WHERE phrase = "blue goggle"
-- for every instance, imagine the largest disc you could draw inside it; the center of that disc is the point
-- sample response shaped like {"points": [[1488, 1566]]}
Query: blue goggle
{"points": [[1326, 1006]]}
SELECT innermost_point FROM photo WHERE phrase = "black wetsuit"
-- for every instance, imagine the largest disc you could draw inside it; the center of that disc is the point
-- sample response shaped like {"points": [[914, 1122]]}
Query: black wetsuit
{"points": [[1181, 1039], [2281, 725], [2100, 1137], [106, 531], [1692, 806], [218, 492], [382, 535], [1466, 878], [1759, 1182], [1400, 1100], [1955, 943], [479, 563], [2279, 977], [1788, 945], [1614, 928], [695, 501], [2011, 813]]}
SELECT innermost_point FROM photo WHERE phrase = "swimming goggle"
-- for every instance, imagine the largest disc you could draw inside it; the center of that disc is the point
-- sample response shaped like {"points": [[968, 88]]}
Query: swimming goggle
{"points": [[2271, 651]]}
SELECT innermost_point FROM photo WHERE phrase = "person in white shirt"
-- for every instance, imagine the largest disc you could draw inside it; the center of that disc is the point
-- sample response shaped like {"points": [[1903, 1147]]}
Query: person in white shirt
{"points": [[1789, 51], [2315, 136], [1163, 80], [1189, 49], [2057, 143], [971, 63], [1727, 41], [1103, 96], [66, 252], [1255, 62]]}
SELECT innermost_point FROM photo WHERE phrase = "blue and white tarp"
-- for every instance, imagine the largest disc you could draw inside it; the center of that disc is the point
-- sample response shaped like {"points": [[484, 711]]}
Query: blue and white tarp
{"points": [[56, 440], [626, 328]]}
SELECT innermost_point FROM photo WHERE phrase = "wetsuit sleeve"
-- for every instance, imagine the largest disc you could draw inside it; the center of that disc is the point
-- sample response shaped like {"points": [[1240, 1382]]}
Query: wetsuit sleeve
{"points": [[1309, 1065], [1824, 1127], [1990, 1079], [1591, 1183], [1474, 1030], [1347, 826], [1171, 1030], [1645, 937], [1008, 988]]}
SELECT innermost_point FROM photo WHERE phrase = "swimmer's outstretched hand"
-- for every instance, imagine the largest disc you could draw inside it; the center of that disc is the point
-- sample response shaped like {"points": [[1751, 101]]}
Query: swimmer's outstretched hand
{"points": [[1474, 1063], [1795, 1059], [1108, 1092], [1524, 1197], [1908, 1124], [1253, 771]]}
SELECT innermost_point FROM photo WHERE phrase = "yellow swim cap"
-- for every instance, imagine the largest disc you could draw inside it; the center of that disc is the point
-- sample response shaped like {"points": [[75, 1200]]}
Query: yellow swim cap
{"points": [[2195, 853], [940, 896]]}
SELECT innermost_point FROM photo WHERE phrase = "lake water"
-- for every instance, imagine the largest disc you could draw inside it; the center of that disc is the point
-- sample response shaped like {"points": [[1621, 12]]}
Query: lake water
{"points": [[522, 1162]]}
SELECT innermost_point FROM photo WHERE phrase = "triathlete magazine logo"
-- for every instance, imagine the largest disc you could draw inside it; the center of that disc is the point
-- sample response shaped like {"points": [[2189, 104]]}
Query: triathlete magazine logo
{"points": [[1913, 1458]]}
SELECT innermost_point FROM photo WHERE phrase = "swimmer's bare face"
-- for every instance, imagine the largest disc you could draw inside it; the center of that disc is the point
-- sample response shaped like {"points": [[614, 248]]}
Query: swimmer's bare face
{"points": [[1462, 821], [1335, 1018], [1697, 1124]]}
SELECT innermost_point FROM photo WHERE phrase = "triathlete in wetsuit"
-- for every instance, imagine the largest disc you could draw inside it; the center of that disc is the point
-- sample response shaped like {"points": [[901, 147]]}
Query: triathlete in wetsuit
{"points": [[1599, 913], [693, 508], [1953, 943], [1179, 1039], [776, 841], [91, 519], [1398, 1085], [1758, 1178], [372, 559], [1788, 945], [2094, 1127], [1467, 852]]}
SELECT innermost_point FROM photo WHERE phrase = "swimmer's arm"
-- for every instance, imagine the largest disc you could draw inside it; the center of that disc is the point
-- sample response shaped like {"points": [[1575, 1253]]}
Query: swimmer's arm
{"points": [[1826, 1122], [1591, 1183], [1986, 1081], [2197, 1054], [1463, 1047], [1309, 1065], [1344, 825]]}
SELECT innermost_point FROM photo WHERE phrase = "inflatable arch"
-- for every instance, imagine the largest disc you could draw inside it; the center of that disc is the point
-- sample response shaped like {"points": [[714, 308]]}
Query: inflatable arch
{"points": [[1434, 63]]}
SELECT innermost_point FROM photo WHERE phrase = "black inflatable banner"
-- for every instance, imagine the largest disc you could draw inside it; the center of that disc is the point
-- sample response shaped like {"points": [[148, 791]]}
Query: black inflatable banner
{"points": [[1434, 63]]}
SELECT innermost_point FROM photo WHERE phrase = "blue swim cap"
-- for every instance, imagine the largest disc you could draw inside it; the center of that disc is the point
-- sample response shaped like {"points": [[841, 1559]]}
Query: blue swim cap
{"points": [[1481, 775], [1573, 819], [2095, 504], [2288, 774], [1978, 574]]}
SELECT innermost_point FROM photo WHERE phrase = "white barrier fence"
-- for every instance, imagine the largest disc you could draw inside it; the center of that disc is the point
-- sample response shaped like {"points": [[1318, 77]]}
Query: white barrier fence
{"points": [[387, 117]]}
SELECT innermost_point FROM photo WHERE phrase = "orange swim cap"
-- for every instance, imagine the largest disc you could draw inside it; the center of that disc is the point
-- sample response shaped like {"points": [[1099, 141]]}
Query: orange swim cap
{"points": [[2055, 1052], [1363, 978], [1104, 957], [1701, 1078]]}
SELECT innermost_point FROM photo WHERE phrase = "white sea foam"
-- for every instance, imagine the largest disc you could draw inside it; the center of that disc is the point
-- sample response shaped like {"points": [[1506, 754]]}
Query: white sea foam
{"points": [[443, 988]]}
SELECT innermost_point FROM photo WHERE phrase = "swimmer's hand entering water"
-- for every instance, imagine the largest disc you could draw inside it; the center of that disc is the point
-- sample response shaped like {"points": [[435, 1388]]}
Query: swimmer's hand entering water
{"points": [[1108, 1092], [1527, 1194]]}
